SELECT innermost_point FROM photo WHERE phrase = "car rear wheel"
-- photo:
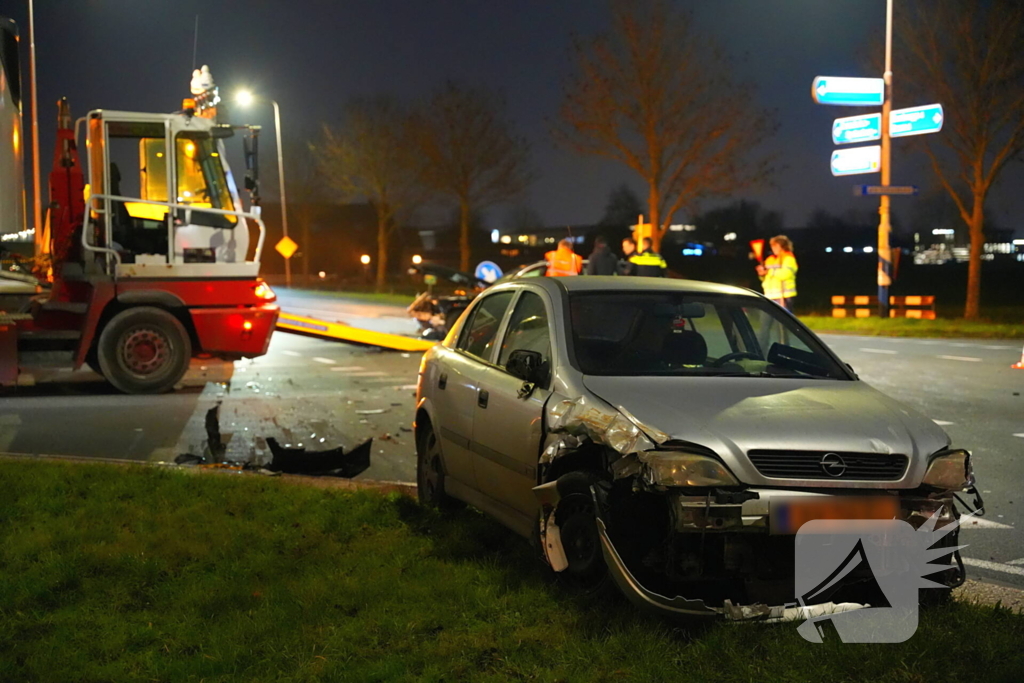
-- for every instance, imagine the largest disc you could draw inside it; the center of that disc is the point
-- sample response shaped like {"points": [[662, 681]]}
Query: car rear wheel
{"points": [[430, 477], [144, 350]]}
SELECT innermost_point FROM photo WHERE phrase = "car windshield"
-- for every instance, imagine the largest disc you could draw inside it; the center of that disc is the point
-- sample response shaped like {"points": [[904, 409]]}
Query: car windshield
{"points": [[668, 333]]}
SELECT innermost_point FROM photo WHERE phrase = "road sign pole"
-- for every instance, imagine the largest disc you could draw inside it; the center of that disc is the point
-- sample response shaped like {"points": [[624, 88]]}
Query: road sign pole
{"points": [[884, 225]]}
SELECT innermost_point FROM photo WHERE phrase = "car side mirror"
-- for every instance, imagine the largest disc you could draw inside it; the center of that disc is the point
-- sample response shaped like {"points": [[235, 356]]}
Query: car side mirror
{"points": [[528, 366]]}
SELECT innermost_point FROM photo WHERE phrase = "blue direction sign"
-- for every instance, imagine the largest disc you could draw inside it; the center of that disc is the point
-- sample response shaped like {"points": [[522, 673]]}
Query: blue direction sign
{"points": [[857, 129], [916, 120], [856, 160], [876, 190], [850, 92], [488, 271]]}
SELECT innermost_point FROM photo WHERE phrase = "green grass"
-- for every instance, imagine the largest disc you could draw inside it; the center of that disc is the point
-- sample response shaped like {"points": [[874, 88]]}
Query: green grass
{"points": [[903, 327], [112, 573]]}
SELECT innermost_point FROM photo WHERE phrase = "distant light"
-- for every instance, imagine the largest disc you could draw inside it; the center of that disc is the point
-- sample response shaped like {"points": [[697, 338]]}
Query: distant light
{"points": [[506, 239], [695, 251], [19, 236], [848, 250], [690, 228], [1018, 241], [678, 227], [495, 236], [365, 259], [417, 259], [868, 250], [322, 274], [828, 250], [942, 231], [244, 98], [729, 237], [548, 240]]}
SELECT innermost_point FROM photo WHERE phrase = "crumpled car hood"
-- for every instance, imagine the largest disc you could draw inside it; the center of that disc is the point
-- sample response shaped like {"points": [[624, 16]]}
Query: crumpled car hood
{"points": [[732, 415]]}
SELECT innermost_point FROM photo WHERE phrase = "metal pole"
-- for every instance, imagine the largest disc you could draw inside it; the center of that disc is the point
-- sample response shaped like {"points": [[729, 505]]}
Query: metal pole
{"points": [[284, 202], [884, 225], [37, 203]]}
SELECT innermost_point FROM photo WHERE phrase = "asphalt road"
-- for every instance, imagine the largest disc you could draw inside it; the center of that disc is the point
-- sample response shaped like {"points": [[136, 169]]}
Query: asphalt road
{"points": [[321, 394]]}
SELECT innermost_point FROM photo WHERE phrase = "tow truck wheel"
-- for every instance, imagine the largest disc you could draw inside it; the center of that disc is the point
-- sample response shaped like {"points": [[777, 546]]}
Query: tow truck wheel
{"points": [[430, 472], [144, 350]]}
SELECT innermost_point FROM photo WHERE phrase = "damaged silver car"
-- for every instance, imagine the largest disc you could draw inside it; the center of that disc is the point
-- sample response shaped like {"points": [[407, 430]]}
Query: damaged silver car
{"points": [[673, 436]]}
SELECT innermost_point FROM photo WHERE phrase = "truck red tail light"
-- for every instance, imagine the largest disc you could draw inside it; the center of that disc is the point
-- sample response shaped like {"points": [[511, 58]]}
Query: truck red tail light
{"points": [[263, 291]]}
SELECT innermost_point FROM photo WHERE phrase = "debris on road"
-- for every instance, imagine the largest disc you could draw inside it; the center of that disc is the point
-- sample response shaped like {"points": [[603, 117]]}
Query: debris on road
{"points": [[375, 411], [334, 461]]}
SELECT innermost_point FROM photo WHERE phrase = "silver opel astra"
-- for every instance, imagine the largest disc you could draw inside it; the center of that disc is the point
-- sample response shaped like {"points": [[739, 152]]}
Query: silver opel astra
{"points": [[670, 437]]}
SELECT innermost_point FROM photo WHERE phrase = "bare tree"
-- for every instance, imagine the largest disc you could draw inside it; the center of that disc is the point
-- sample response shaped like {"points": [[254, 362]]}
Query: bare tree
{"points": [[657, 96], [969, 56], [368, 157], [468, 153]]}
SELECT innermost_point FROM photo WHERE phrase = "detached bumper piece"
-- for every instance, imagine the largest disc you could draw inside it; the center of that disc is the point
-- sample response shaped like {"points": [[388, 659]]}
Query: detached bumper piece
{"points": [[334, 461], [682, 607], [352, 335]]}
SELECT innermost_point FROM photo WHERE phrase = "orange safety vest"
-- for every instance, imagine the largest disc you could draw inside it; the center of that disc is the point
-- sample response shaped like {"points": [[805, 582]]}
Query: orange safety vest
{"points": [[563, 262]]}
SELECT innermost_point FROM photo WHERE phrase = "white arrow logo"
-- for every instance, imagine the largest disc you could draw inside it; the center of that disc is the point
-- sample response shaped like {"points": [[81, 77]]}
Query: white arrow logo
{"points": [[938, 117], [822, 89]]}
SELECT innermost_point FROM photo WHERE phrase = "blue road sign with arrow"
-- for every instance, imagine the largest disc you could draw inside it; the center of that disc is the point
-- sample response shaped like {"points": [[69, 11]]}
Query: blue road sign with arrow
{"points": [[857, 129], [916, 120], [488, 271], [856, 160], [849, 92]]}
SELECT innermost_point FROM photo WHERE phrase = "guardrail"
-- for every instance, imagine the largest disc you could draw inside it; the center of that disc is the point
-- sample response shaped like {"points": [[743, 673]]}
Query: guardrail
{"points": [[920, 307]]}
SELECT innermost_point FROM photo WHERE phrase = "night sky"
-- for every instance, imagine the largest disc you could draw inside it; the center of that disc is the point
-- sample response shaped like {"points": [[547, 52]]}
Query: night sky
{"points": [[312, 55]]}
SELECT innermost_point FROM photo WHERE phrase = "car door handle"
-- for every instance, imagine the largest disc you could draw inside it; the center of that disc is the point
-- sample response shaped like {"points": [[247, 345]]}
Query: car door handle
{"points": [[442, 381], [481, 398]]}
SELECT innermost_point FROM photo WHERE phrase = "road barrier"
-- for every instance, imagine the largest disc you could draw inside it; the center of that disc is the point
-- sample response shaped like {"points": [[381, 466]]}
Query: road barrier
{"points": [[346, 333], [922, 307]]}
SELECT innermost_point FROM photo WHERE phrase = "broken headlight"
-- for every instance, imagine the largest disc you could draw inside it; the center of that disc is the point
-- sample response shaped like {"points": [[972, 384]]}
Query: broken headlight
{"points": [[950, 470], [667, 468]]}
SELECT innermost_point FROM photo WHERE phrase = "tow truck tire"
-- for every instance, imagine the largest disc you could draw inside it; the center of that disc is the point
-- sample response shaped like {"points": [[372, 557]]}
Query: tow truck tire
{"points": [[144, 350]]}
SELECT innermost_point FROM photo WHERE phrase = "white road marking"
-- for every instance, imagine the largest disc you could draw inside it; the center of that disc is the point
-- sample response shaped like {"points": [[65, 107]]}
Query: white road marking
{"points": [[942, 423], [1000, 347], [406, 387], [294, 354], [994, 566], [325, 361], [1020, 561], [1020, 435], [347, 368], [966, 359], [982, 523], [963, 344], [887, 351]]}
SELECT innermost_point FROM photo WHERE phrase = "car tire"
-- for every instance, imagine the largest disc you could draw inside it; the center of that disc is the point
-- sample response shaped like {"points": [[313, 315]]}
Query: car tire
{"points": [[144, 350], [581, 543], [430, 475]]}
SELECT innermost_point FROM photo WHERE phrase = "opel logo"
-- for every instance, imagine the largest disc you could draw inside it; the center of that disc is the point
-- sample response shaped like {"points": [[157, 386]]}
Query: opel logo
{"points": [[833, 465]]}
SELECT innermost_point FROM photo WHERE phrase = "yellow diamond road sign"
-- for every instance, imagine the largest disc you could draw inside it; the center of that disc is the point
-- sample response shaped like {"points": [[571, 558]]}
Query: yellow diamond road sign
{"points": [[286, 247]]}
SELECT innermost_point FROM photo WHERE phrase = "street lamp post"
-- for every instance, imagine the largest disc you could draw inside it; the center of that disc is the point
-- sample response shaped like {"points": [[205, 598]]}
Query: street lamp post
{"points": [[244, 98], [884, 225]]}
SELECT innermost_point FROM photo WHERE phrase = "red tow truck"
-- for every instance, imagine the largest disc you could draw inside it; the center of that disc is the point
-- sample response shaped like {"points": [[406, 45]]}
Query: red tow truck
{"points": [[147, 260]]}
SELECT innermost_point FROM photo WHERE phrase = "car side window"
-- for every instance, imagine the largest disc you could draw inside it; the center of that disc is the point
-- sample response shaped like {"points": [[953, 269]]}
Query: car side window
{"points": [[481, 330], [527, 329]]}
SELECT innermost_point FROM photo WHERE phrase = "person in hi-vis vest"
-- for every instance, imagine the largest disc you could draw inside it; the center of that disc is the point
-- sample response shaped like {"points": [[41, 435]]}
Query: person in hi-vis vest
{"points": [[563, 261], [778, 274]]}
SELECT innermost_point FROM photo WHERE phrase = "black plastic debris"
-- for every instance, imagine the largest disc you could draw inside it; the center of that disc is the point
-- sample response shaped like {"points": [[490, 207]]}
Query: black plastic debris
{"points": [[334, 461], [189, 459], [213, 438]]}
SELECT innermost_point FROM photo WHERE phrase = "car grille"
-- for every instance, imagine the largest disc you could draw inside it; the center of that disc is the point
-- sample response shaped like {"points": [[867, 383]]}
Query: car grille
{"points": [[809, 465]]}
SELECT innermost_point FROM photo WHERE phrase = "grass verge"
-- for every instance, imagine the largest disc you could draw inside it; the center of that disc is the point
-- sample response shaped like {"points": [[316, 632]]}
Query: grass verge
{"points": [[110, 573], [903, 327]]}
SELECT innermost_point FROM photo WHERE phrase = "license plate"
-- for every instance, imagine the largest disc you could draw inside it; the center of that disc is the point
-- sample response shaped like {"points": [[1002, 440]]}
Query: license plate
{"points": [[787, 515]]}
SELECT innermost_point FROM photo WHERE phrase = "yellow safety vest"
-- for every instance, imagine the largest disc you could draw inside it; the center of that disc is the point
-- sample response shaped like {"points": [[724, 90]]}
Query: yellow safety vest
{"points": [[780, 280]]}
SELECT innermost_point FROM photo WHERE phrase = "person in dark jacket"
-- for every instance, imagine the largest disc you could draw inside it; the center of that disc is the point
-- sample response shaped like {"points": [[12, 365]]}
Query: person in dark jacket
{"points": [[648, 263], [626, 266], [602, 261]]}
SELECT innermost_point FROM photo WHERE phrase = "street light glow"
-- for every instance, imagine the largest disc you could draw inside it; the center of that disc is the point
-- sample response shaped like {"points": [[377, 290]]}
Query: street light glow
{"points": [[365, 259], [244, 98], [417, 259]]}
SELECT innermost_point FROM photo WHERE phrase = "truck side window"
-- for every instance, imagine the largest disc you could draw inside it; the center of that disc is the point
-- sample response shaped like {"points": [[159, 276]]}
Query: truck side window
{"points": [[479, 333], [201, 179]]}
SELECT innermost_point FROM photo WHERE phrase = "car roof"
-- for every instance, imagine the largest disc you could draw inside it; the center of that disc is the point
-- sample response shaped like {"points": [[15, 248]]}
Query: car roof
{"points": [[611, 283]]}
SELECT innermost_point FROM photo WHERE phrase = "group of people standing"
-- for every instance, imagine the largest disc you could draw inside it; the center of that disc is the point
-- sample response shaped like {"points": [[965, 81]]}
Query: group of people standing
{"points": [[603, 261], [777, 272]]}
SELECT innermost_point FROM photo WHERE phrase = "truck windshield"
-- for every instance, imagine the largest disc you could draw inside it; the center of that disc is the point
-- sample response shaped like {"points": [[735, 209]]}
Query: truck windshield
{"points": [[202, 181], [692, 334]]}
